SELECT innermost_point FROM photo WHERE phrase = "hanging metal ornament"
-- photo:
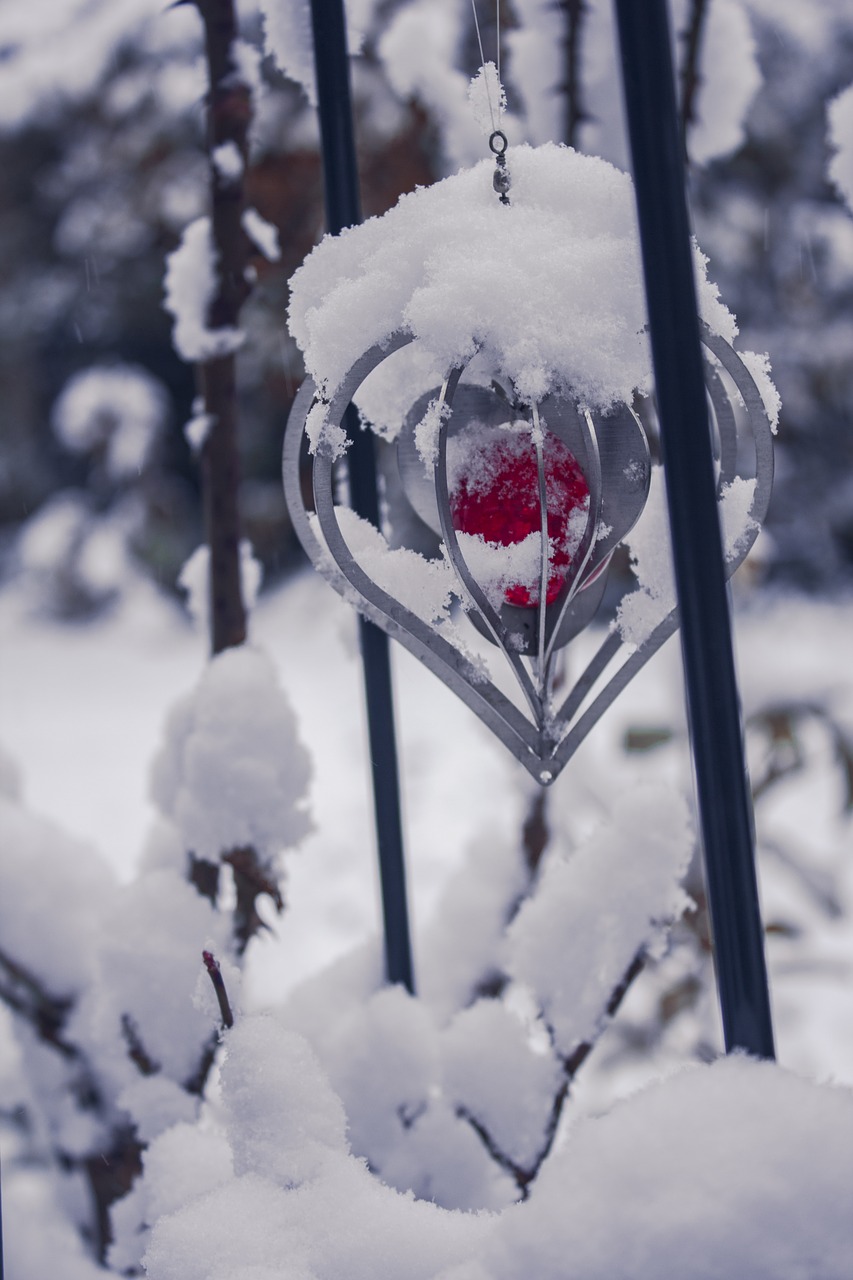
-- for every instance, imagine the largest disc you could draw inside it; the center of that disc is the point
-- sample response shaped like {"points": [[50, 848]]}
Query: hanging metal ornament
{"points": [[530, 496]]}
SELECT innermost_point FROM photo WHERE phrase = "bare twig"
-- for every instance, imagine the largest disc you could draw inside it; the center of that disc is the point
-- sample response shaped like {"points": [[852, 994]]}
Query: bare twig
{"points": [[212, 966], [520, 1176]]}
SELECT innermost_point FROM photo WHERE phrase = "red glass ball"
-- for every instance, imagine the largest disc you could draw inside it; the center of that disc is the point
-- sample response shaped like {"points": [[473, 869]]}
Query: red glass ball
{"points": [[495, 494]]}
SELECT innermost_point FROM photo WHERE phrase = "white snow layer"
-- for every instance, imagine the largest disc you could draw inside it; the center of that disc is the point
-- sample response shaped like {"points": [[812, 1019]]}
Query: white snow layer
{"points": [[194, 579], [574, 939], [536, 48], [190, 286], [737, 1169], [640, 612], [729, 78], [840, 116], [199, 426], [75, 888], [728, 72], [289, 37], [420, 49], [263, 235], [549, 287], [43, 77], [487, 98], [227, 161], [733, 1169], [428, 588]]}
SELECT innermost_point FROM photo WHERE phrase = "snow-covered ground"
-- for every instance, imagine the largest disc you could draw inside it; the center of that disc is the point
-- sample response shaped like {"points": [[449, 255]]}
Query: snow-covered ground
{"points": [[83, 713], [84, 706]]}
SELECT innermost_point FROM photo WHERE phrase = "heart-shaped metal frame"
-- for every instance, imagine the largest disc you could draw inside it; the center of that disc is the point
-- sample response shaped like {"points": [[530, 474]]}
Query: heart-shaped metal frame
{"points": [[546, 742]]}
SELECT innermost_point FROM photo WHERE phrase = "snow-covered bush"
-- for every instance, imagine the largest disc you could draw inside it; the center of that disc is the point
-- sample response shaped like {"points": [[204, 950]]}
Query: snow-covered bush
{"points": [[118, 1019], [76, 551], [738, 1168]]}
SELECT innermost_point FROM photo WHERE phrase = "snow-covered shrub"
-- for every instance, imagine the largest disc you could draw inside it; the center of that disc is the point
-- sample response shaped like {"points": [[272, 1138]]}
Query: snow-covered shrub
{"points": [[460, 1099], [76, 551], [117, 1021], [75, 559], [114, 411], [738, 1168]]}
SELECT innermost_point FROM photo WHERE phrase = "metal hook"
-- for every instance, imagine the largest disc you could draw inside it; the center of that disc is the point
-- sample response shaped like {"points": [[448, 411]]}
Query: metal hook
{"points": [[501, 180]]}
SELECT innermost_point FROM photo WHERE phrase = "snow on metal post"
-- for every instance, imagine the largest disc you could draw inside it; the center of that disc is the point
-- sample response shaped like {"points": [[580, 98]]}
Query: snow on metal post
{"points": [[712, 698], [343, 209]]}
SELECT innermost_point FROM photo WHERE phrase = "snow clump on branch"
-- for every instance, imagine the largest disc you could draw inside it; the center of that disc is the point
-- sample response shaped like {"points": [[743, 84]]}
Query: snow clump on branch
{"points": [[190, 286], [840, 116], [232, 772]]}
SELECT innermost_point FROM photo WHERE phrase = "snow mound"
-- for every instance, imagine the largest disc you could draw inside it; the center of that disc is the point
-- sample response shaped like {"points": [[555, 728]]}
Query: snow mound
{"points": [[735, 1169]]}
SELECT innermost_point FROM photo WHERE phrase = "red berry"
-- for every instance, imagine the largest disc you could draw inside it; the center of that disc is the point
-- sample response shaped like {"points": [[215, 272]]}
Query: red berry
{"points": [[495, 494]]}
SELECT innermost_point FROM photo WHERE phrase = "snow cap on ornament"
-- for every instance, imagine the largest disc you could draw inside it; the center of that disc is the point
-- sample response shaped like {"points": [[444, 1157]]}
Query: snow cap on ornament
{"points": [[502, 348]]}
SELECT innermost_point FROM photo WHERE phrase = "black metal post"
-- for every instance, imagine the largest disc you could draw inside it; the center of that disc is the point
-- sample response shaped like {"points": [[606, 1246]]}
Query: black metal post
{"points": [[343, 209], [712, 698]]}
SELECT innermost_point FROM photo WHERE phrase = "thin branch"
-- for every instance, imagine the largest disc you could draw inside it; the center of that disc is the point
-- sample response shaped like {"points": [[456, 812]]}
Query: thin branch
{"points": [[578, 1056], [520, 1176], [195, 1083], [111, 1174], [575, 114], [525, 1176], [691, 77], [204, 876], [250, 880], [136, 1050], [25, 995], [535, 833]]}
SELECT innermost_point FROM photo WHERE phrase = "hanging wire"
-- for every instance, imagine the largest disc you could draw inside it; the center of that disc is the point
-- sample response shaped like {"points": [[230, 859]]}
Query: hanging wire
{"points": [[498, 140], [483, 66], [498, 39]]}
